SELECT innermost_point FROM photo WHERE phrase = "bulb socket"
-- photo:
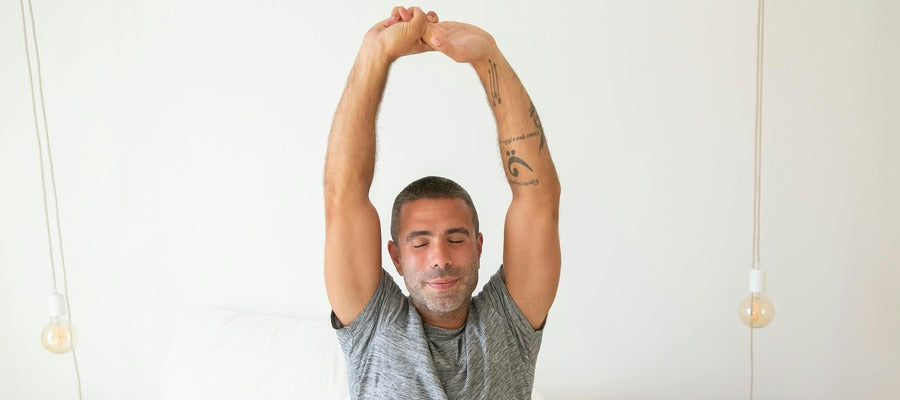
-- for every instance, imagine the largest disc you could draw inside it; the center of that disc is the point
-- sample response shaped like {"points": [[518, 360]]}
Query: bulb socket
{"points": [[757, 281], [57, 305]]}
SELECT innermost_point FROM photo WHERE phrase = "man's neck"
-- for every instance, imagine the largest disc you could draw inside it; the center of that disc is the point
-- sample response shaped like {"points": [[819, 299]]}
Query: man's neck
{"points": [[450, 320]]}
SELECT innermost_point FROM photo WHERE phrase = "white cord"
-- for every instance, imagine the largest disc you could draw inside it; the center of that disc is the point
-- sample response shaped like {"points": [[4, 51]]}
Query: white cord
{"points": [[43, 174], [757, 171], [757, 176]]}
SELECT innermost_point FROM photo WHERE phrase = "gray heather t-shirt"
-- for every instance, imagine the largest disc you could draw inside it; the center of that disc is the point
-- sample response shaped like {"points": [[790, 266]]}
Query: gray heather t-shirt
{"points": [[391, 354]]}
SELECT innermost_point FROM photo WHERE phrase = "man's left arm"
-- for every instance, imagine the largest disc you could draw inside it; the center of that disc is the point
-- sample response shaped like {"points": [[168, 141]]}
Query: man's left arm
{"points": [[531, 251]]}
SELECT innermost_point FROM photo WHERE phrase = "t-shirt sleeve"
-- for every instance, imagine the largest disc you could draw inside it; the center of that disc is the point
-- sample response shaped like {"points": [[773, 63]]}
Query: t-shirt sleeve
{"points": [[496, 297], [383, 308]]}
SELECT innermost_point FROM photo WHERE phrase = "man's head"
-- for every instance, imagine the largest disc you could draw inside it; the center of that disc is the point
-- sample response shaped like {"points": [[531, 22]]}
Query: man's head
{"points": [[435, 244]]}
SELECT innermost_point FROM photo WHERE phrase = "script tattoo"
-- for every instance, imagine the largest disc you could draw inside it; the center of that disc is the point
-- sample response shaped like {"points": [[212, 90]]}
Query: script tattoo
{"points": [[523, 136], [533, 182], [512, 159], [494, 83], [538, 128]]}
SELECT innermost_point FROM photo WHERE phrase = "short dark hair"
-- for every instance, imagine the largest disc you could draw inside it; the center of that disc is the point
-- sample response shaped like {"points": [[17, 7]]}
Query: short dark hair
{"points": [[429, 187]]}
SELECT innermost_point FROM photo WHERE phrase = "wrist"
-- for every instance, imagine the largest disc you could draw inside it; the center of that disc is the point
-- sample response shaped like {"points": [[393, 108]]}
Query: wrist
{"points": [[492, 54], [372, 54]]}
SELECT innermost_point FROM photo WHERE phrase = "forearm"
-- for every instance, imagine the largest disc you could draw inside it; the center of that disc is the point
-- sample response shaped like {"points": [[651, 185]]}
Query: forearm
{"points": [[350, 159], [523, 146]]}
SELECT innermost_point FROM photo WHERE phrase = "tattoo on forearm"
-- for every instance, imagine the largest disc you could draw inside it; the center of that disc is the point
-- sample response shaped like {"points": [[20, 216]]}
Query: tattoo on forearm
{"points": [[538, 128], [512, 159], [523, 136], [533, 182], [494, 84]]}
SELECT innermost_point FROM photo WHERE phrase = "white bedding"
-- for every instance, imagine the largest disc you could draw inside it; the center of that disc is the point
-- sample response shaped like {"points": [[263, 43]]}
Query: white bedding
{"points": [[220, 354]]}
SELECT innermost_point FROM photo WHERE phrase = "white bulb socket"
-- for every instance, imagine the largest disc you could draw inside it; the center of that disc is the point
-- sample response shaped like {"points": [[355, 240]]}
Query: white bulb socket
{"points": [[57, 304], [757, 281]]}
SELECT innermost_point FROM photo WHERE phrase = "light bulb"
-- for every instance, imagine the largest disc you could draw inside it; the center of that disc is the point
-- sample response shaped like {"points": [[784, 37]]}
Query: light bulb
{"points": [[756, 311], [58, 336]]}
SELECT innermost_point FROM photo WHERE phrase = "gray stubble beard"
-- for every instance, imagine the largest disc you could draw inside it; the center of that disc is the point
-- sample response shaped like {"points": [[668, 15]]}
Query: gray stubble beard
{"points": [[444, 306]]}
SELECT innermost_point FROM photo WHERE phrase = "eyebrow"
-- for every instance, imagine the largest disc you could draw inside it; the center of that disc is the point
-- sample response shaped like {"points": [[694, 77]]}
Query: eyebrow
{"points": [[464, 231], [414, 234]]}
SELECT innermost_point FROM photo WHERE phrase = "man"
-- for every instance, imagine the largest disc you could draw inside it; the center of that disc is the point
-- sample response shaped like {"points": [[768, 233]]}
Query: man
{"points": [[440, 342]]}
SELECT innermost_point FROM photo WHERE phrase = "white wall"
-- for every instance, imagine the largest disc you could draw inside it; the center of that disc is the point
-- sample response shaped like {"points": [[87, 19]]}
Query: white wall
{"points": [[189, 136]]}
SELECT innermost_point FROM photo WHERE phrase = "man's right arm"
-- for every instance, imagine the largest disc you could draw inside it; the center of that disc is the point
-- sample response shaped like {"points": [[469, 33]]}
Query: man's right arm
{"points": [[352, 227]]}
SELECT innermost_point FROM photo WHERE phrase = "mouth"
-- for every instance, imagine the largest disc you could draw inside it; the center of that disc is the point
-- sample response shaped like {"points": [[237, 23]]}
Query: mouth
{"points": [[442, 284]]}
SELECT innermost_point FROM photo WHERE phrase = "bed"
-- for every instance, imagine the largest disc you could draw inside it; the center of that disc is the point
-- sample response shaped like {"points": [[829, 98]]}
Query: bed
{"points": [[230, 355]]}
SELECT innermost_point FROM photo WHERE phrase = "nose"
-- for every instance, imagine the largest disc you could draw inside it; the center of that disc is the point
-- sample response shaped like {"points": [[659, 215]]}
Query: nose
{"points": [[440, 255]]}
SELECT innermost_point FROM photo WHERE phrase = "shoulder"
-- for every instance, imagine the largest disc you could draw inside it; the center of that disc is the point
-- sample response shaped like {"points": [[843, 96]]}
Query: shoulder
{"points": [[493, 292], [495, 302], [387, 303]]}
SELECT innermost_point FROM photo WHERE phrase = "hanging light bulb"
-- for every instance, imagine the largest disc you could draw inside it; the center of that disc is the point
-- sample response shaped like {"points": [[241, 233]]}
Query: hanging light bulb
{"points": [[58, 336], [756, 310]]}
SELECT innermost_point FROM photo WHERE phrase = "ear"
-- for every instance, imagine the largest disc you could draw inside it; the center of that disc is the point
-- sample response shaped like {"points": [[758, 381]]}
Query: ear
{"points": [[394, 251], [479, 240]]}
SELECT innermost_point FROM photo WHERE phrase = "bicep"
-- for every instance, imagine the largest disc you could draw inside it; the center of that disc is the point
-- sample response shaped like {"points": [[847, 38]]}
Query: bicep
{"points": [[352, 257], [531, 256]]}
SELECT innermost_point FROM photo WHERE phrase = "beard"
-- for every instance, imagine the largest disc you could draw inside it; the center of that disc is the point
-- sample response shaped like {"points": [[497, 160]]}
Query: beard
{"points": [[443, 302]]}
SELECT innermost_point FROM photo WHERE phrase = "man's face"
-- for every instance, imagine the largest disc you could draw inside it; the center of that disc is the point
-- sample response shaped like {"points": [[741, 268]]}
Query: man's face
{"points": [[438, 254]]}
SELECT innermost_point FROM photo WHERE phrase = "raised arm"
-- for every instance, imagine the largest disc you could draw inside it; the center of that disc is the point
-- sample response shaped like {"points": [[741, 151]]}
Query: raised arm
{"points": [[531, 253], [352, 227]]}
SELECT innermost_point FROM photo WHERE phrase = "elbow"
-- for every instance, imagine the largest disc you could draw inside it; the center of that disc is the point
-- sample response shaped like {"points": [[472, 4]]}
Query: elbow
{"points": [[339, 199], [555, 189]]}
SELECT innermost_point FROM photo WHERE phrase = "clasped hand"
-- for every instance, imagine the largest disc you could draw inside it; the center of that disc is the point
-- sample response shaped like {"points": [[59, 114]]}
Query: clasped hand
{"points": [[411, 31]]}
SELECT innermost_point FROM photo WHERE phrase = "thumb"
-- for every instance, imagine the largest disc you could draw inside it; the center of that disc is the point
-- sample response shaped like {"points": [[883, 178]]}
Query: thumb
{"points": [[433, 38]]}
